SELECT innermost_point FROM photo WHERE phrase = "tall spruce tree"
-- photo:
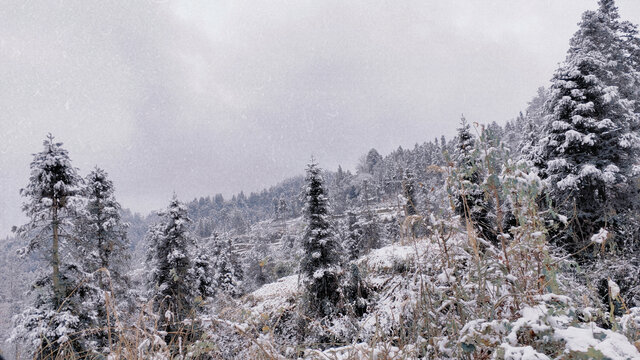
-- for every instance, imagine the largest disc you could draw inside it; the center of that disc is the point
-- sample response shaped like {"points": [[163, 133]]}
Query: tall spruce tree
{"points": [[203, 275], [469, 201], [354, 236], [172, 284], [320, 263], [590, 141], [409, 190], [371, 232], [105, 229], [227, 272], [531, 124], [106, 250], [52, 326]]}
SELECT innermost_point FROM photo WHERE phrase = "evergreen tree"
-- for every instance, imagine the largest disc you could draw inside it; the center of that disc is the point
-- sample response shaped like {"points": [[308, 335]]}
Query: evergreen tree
{"points": [[204, 275], [238, 222], [590, 141], [281, 210], [371, 162], [339, 190], [320, 263], [356, 291], [172, 285], [370, 233], [366, 193], [355, 234], [53, 324], [227, 272], [408, 187], [106, 249], [469, 201], [104, 227]]}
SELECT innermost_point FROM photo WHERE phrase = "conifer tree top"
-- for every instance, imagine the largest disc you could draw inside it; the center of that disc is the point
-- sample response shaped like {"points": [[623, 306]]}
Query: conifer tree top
{"points": [[609, 8], [465, 138], [53, 182], [316, 197], [51, 172], [176, 215], [99, 180]]}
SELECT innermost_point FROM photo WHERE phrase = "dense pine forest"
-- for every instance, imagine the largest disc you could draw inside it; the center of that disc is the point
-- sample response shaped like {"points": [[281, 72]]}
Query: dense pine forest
{"points": [[513, 241]]}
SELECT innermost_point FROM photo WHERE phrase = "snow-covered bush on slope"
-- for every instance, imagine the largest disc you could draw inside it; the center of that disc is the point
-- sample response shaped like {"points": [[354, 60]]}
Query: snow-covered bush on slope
{"points": [[552, 328]]}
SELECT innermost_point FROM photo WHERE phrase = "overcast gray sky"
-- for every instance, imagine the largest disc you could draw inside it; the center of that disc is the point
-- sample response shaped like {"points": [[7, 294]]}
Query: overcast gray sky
{"points": [[207, 96]]}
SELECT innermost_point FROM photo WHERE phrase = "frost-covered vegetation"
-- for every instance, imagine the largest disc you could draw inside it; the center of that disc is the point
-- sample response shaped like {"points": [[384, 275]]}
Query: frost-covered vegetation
{"points": [[514, 242]]}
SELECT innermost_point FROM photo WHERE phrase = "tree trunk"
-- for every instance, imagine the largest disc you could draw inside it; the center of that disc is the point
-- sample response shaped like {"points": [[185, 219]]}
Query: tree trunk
{"points": [[55, 259], [102, 249]]}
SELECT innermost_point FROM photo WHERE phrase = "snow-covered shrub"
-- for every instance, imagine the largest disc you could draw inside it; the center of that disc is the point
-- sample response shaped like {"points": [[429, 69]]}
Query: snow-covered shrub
{"points": [[630, 325], [550, 329]]}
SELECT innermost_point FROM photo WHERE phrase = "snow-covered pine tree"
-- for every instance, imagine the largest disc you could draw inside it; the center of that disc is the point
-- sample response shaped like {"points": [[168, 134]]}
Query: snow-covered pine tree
{"points": [[227, 271], [624, 52], [320, 263], [371, 232], [446, 146], [469, 201], [371, 162], [409, 192], [356, 291], [172, 286], [238, 221], [105, 251], [203, 227], [282, 210], [590, 142], [366, 191], [203, 275], [531, 124], [353, 242], [276, 209], [52, 326], [339, 190]]}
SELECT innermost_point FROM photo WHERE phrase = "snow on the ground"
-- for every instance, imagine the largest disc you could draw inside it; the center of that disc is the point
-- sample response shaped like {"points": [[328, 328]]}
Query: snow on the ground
{"points": [[275, 295], [364, 351], [522, 353], [610, 344], [384, 259]]}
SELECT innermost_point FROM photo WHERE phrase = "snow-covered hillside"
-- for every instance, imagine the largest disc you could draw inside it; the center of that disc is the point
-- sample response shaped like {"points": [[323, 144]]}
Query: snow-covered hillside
{"points": [[414, 294]]}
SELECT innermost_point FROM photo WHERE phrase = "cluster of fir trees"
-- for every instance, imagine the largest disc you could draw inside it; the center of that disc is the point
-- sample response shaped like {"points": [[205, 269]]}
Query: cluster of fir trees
{"points": [[76, 234], [75, 226], [582, 139], [588, 151], [182, 275]]}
